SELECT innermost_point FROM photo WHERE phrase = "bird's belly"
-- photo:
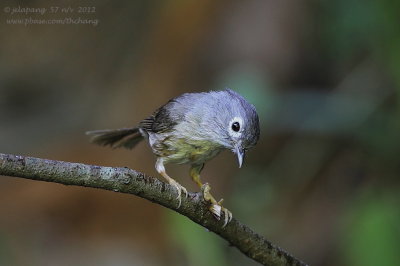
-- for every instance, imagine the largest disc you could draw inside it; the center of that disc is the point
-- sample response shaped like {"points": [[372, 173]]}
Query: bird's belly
{"points": [[182, 151]]}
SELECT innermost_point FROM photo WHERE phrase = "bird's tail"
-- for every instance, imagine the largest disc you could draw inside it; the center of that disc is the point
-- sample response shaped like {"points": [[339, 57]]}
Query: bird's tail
{"points": [[116, 138]]}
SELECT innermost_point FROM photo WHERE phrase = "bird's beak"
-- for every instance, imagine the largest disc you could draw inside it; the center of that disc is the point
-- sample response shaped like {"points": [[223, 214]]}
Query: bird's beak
{"points": [[240, 152]]}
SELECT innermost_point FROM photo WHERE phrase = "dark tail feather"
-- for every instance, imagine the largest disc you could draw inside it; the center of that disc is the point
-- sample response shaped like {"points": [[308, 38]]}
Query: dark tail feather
{"points": [[116, 138]]}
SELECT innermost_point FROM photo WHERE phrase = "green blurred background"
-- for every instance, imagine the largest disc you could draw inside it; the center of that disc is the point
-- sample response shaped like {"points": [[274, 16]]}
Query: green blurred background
{"points": [[323, 181]]}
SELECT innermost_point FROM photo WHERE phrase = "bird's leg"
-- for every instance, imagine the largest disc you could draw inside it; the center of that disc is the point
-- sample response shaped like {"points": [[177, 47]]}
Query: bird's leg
{"points": [[161, 170], [216, 206], [195, 173]]}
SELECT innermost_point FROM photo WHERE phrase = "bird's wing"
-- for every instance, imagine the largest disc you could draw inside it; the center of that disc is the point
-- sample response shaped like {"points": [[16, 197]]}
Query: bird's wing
{"points": [[161, 120]]}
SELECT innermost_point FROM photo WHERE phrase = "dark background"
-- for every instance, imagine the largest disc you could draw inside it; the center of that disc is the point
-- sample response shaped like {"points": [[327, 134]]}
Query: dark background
{"points": [[323, 181]]}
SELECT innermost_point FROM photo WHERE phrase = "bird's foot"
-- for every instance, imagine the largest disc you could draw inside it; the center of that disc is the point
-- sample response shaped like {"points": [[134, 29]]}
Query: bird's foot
{"points": [[216, 207], [179, 188]]}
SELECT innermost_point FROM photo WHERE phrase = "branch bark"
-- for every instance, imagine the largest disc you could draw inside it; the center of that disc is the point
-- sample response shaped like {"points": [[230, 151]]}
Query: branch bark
{"points": [[129, 181]]}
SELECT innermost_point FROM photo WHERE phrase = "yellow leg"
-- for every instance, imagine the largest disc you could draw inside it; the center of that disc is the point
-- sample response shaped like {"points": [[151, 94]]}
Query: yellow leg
{"points": [[161, 170], [195, 174], [216, 206]]}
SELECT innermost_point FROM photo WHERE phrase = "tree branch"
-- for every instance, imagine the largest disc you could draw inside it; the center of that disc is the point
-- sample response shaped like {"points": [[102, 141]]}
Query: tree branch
{"points": [[129, 181]]}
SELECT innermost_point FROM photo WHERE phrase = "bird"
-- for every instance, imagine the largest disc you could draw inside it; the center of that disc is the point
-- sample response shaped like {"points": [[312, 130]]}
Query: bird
{"points": [[192, 129]]}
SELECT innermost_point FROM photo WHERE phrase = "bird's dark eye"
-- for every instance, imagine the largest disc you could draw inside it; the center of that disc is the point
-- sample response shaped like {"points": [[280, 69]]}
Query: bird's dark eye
{"points": [[236, 126]]}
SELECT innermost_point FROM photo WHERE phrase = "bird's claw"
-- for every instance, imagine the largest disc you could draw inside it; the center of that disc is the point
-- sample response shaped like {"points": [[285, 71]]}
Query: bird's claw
{"points": [[216, 207], [179, 188], [216, 210]]}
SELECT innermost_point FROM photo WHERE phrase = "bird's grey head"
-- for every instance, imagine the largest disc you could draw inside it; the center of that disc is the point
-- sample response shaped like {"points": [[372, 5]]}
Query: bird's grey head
{"points": [[239, 122]]}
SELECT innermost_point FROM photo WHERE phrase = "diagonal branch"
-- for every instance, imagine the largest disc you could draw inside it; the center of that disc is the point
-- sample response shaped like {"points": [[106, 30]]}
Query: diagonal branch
{"points": [[129, 181]]}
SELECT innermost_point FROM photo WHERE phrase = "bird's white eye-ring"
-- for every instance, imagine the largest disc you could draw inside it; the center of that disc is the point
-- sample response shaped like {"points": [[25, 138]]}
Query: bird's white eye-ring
{"points": [[236, 126]]}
